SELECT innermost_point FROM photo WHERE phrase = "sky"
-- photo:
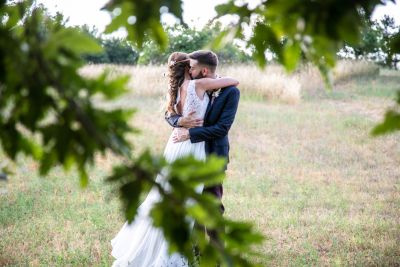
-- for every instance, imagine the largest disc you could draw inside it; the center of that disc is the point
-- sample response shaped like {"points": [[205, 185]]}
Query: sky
{"points": [[195, 13]]}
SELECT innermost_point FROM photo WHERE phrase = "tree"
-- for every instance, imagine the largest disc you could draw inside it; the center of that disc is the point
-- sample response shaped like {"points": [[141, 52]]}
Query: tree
{"points": [[389, 30], [185, 39], [375, 42]]}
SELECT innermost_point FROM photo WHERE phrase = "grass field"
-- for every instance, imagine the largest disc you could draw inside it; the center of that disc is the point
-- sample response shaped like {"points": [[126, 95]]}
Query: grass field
{"points": [[308, 175]]}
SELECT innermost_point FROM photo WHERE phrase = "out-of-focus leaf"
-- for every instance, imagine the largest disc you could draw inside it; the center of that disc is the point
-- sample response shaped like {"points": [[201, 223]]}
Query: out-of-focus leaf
{"points": [[291, 55], [223, 38], [84, 177], [69, 161], [48, 161], [14, 15], [130, 195], [240, 234], [126, 9], [31, 148], [142, 18], [348, 27], [391, 123], [177, 233], [158, 33], [110, 88], [73, 40], [196, 172], [263, 38], [242, 11]]}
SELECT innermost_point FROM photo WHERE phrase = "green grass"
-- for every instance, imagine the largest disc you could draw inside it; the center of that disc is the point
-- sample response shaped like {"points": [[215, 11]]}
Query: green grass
{"points": [[308, 176]]}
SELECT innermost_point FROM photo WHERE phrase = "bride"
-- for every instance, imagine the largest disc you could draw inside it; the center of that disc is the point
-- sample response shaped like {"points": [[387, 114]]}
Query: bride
{"points": [[140, 244]]}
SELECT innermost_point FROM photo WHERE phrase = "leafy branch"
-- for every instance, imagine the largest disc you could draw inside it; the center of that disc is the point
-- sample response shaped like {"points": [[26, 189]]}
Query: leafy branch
{"points": [[49, 112]]}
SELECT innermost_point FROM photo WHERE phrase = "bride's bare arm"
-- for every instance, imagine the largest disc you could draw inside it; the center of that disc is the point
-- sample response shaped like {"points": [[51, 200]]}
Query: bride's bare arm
{"points": [[214, 84]]}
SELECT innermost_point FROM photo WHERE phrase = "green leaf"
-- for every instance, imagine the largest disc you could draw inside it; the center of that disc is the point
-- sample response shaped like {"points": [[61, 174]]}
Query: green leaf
{"points": [[121, 19], [69, 161], [84, 177], [30, 148], [264, 37], [110, 88], [349, 27], [48, 161], [13, 13], [224, 38], [201, 215], [130, 195], [159, 34], [390, 124], [291, 55]]}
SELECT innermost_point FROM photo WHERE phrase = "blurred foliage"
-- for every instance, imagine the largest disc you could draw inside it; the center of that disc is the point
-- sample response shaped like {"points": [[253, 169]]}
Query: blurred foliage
{"points": [[50, 113], [46, 106], [391, 122], [185, 39]]}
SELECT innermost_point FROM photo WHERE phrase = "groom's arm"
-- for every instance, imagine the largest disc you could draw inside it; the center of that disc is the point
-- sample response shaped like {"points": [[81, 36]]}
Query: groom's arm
{"points": [[221, 128]]}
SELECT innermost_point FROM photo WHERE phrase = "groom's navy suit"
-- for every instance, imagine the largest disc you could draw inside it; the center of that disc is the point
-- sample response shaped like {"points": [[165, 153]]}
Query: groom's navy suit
{"points": [[218, 119]]}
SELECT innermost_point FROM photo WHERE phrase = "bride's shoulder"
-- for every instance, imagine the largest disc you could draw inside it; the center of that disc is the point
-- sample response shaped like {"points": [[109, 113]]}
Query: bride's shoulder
{"points": [[191, 84]]}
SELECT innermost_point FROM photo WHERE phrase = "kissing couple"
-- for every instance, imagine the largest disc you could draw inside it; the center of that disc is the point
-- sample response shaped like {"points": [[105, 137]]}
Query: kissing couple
{"points": [[201, 108]]}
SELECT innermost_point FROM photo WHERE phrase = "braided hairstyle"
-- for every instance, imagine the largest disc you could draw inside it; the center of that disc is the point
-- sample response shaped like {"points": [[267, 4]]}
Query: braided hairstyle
{"points": [[178, 64]]}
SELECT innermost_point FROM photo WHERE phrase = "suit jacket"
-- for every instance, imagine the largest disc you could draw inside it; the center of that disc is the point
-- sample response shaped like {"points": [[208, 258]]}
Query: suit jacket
{"points": [[218, 120]]}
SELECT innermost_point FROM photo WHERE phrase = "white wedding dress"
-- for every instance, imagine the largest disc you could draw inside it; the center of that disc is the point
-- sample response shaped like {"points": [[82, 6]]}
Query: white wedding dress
{"points": [[140, 244]]}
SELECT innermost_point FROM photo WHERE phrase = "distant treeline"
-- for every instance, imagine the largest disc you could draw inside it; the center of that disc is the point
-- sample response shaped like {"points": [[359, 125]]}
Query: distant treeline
{"points": [[374, 46], [181, 38]]}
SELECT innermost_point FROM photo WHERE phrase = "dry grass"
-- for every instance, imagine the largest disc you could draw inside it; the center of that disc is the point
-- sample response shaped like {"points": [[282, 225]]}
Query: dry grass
{"points": [[145, 80], [272, 83], [348, 69], [308, 176]]}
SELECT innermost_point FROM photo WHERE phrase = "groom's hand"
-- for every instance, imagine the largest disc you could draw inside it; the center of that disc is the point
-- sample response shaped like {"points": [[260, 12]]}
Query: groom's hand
{"points": [[190, 121], [180, 135]]}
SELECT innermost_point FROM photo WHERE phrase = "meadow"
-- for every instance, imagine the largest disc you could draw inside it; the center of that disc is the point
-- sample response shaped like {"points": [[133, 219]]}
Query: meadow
{"points": [[304, 170]]}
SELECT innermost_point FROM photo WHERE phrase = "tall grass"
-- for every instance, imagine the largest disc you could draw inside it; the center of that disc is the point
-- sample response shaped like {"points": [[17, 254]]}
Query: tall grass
{"points": [[270, 83]]}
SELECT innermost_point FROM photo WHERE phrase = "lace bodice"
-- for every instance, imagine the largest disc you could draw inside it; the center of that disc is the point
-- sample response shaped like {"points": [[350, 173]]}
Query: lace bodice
{"points": [[193, 102]]}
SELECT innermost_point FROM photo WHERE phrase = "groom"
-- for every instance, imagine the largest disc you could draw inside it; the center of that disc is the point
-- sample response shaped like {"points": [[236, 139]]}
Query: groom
{"points": [[218, 119]]}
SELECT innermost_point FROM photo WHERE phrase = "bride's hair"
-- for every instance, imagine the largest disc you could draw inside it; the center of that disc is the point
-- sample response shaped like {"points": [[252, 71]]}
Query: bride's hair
{"points": [[178, 63]]}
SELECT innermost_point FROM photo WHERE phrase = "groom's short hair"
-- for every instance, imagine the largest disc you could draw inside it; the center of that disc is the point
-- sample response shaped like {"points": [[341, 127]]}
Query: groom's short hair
{"points": [[205, 57]]}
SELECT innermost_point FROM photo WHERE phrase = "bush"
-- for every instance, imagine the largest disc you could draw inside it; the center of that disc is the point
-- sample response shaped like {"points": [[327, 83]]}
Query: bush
{"points": [[115, 50]]}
